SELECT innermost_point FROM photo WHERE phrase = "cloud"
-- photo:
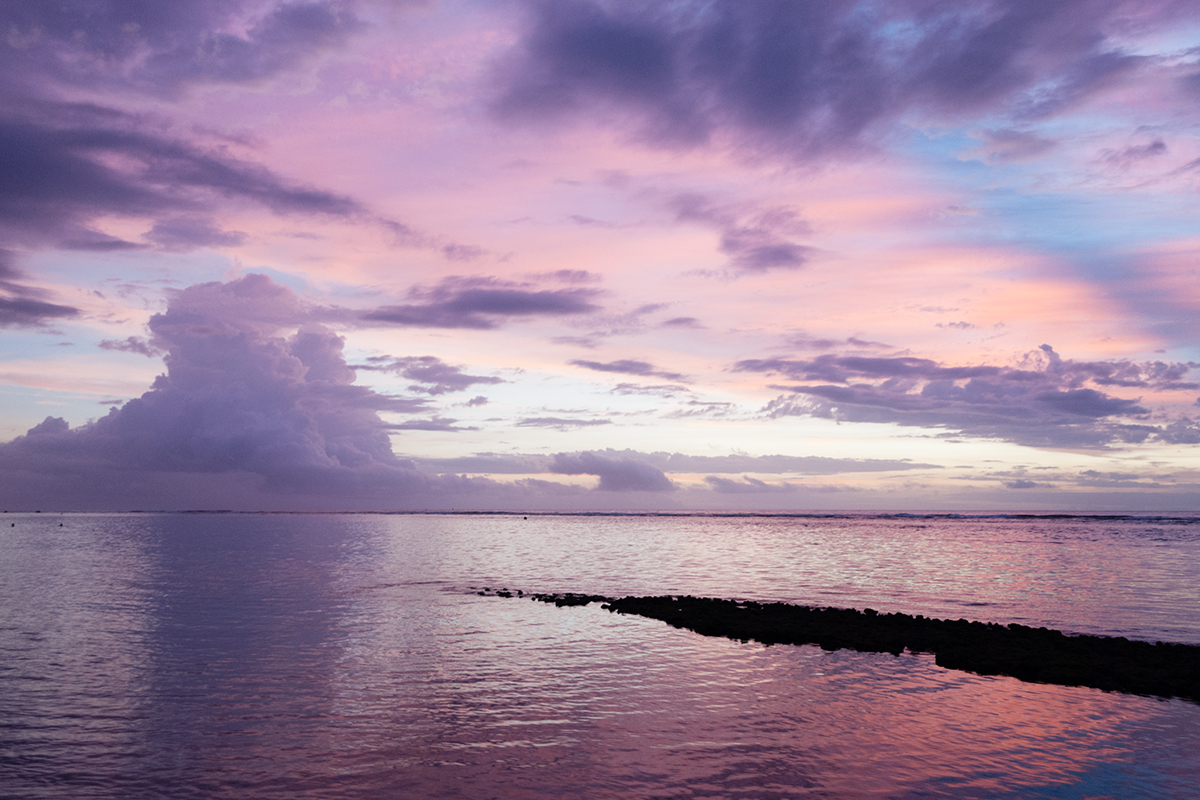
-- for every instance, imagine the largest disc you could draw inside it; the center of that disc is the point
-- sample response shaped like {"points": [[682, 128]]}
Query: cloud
{"points": [[481, 304], [251, 390], [1134, 153], [628, 366], [616, 474], [131, 344], [702, 408], [187, 233], [162, 47], [570, 276], [746, 485], [432, 375], [24, 312], [68, 164], [560, 423], [679, 463], [1008, 146], [440, 424], [810, 76], [656, 389], [1045, 401], [755, 239], [23, 306]]}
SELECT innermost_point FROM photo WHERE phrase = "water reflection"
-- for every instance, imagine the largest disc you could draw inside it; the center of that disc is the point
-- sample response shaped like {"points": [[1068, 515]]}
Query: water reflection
{"points": [[242, 656]]}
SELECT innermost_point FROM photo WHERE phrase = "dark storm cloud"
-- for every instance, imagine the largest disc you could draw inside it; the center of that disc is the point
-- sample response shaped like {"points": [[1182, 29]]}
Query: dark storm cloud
{"points": [[809, 76], [620, 474], [162, 46], [1045, 402], [480, 303], [628, 366], [432, 375]]}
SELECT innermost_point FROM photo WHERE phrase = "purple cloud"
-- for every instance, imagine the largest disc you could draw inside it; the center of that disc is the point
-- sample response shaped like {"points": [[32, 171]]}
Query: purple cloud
{"points": [[24, 312], [1045, 403], [560, 423], [131, 344], [746, 485], [59, 163], [23, 306], [677, 463], [616, 474], [432, 375], [480, 303], [250, 390], [628, 366], [161, 47], [440, 424], [1134, 153], [1007, 146], [755, 239], [187, 233], [809, 76]]}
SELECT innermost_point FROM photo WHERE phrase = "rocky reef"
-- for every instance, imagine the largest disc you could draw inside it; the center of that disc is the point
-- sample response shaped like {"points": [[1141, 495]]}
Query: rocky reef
{"points": [[1038, 655]]}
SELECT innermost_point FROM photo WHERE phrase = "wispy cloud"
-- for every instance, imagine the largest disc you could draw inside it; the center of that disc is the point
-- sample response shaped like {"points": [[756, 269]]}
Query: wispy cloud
{"points": [[628, 366], [1049, 401], [480, 303]]}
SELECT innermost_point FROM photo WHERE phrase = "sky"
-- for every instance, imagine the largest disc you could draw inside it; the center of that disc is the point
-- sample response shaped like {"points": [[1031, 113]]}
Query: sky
{"points": [[576, 255]]}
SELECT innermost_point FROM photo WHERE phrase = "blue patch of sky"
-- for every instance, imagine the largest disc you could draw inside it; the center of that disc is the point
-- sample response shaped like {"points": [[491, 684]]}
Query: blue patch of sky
{"points": [[1011, 208]]}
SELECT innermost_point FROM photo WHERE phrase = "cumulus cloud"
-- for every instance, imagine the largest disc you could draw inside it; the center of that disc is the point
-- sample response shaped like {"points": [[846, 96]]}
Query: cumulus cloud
{"points": [[811, 76], [432, 375], [480, 303], [251, 390], [1047, 400], [620, 474]]}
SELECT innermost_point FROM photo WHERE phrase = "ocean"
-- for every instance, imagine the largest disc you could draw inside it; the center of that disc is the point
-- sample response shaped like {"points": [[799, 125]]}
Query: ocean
{"points": [[352, 656]]}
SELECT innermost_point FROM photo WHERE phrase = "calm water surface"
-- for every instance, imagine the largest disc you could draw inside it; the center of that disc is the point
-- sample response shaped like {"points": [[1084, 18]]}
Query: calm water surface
{"points": [[284, 656]]}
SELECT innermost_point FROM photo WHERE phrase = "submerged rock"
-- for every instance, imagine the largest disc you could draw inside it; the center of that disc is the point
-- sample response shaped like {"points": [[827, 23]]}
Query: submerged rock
{"points": [[1037, 655]]}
